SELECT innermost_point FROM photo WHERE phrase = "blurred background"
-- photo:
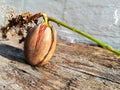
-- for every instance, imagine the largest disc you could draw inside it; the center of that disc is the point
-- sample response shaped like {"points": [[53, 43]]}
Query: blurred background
{"points": [[99, 18]]}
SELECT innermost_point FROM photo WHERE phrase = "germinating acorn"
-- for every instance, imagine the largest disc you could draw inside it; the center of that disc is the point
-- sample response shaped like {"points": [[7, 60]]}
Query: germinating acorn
{"points": [[40, 44]]}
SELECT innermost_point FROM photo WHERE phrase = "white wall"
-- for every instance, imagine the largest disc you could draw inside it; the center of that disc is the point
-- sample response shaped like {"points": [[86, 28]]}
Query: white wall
{"points": [[100, 18]]}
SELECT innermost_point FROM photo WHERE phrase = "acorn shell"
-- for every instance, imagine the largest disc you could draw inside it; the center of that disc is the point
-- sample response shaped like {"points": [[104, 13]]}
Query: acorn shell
{"points": [[40, 44]]}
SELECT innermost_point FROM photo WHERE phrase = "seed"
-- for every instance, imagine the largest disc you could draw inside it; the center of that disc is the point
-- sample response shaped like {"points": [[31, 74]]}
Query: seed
{"points": [[40, 44]]}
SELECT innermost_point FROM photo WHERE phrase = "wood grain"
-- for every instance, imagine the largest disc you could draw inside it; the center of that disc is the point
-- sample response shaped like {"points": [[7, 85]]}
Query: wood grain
{"points": [[73, 67]]}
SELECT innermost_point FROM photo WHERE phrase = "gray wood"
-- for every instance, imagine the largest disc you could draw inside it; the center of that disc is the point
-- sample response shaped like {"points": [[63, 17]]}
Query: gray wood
{"points": [[73, 67]]}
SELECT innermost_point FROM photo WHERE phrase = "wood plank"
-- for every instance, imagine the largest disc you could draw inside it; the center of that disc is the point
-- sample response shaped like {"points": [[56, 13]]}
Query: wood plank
{"points": [[73, 67]]}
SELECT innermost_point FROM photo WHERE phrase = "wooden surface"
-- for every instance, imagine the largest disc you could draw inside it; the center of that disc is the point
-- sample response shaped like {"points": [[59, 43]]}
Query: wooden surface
{"points": [[73, 67]]}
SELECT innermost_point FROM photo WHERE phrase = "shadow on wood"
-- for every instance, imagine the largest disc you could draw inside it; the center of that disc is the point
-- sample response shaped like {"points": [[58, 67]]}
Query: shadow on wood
{"points": [[12, 53]]}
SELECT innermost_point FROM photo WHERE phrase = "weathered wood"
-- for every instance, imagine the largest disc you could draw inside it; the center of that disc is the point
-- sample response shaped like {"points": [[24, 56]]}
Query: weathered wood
{"points": [[73, 67]]}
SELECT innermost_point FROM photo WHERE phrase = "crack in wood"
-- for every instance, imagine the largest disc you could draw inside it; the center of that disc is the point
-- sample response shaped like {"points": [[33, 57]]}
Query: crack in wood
{"points": [[94, 73]]}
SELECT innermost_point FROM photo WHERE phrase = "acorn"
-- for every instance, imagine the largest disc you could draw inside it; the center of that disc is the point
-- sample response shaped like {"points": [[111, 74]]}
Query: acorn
{"points": [[40, 44]]}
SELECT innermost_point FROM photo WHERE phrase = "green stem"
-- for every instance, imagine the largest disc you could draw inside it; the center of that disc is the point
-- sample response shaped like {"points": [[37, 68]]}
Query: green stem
{"points": [[45, 17], [86, 35]]}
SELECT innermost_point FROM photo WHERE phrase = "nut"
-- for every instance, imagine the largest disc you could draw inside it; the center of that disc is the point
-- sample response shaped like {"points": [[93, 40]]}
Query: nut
{"points": [[40, 44]]}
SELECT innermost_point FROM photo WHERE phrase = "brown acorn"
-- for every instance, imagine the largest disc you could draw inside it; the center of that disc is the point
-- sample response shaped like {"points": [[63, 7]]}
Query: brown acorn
{"points": [[40, 44]]}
